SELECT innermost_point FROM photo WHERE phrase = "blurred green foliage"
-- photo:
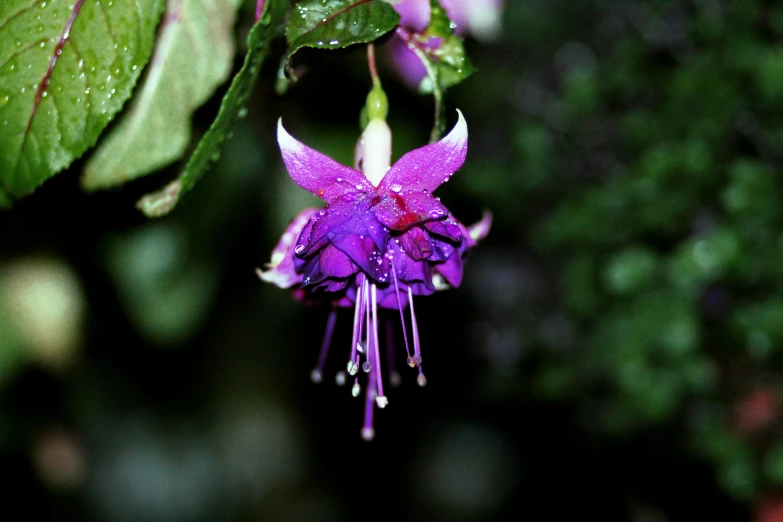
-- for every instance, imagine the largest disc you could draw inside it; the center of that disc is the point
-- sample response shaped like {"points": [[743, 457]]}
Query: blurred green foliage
{"points": [[645, 164]]}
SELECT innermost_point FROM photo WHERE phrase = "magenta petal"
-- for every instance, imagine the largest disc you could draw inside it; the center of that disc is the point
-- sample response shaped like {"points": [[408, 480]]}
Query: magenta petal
{"points": [[416, 243], [316, 172], [445, 228], [425, 168], [451, 270], [363, 251], [400, 211], [281, 270]]}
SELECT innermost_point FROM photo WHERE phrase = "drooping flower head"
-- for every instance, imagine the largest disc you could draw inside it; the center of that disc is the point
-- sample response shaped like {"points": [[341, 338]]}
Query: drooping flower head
{"points": [[382, 239], [478, 18]]}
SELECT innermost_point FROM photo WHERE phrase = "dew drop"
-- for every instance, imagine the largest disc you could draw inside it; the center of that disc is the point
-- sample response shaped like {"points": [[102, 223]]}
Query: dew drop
{"points": [[134, 67], [299, 249], [396, 187], [339, 180], [350, 196], [242, 112], [358, 186], [334, 42], [39, 28]]}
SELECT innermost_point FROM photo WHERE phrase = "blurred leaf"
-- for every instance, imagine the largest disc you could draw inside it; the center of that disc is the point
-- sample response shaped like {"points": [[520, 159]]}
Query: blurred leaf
{"points": [[193, 56], [232, 108], [334, 24], [164, 289], [67, 68]]}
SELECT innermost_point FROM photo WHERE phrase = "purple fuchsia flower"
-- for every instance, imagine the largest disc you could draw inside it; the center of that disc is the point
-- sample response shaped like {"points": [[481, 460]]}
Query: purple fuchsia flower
{"points": [[478, 18], [382, 239]]}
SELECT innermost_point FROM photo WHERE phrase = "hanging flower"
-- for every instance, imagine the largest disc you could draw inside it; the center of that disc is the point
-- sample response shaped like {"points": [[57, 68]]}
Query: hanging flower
{"points": [[382, 239], [478, 18]]}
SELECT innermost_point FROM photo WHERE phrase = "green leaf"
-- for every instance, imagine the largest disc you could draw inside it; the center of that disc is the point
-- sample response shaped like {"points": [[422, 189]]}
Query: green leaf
{"points": [[446, 64], [232, 108], [334, 24], [66, 68], [192, 57]]}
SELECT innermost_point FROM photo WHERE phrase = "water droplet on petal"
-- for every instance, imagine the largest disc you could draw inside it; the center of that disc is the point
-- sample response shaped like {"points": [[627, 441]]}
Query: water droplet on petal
{"points": [[396, 187], [299, 249]]}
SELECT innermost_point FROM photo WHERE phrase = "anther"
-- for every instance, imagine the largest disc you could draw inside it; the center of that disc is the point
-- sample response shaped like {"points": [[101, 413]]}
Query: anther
{"points": [[352, 368], [316, 376], [422, 380], [366, 366], [381, 401], [356, 389], [411, 362], [340, 378], [368, 434], [359, 348]]}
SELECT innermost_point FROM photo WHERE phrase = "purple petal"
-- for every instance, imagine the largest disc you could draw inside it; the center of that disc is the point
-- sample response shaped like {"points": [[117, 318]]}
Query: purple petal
{"points": [[416, 243], [363, 251], [451, 270], [425, 168], [406, 63], [414, 14], [328, 263], [316, 172], [400, 211], [281, 270], [416, 274], [445, 228]]}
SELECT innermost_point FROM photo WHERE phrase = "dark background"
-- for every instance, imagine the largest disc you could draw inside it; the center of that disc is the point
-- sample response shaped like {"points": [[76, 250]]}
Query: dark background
{"points": [[614, 351]]}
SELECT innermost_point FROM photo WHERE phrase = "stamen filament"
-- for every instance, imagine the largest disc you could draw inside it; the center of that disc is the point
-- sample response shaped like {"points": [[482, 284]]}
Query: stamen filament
{"points": [[394, 376], [399, 306], [381, 399], [317, 374], [415, 328]]}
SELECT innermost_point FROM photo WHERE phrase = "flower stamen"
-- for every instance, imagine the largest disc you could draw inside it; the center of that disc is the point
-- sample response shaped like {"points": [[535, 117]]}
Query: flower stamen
{"points": [[416, 359], [317, 375]]}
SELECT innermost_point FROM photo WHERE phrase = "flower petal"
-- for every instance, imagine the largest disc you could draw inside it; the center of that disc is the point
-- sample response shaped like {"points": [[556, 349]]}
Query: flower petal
{"points": [[416, 243], [281, 270], [425, 168], [316, 172], [403, 210]]}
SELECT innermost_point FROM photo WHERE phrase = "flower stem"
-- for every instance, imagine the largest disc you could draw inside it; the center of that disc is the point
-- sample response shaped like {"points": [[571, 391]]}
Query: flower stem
{"points": [[376, 81]]}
